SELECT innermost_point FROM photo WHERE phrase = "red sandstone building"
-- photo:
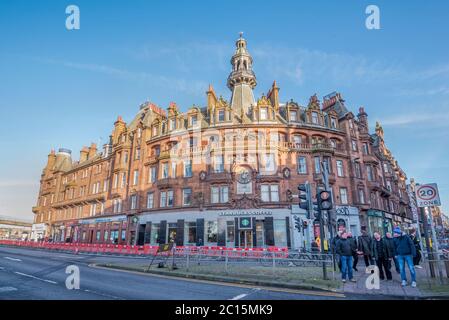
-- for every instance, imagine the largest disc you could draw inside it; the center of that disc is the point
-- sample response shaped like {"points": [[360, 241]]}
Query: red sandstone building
{"points": [[223, 174]]}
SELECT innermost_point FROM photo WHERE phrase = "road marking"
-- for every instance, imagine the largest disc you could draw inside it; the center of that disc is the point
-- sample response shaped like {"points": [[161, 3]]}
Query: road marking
{"points": [[243, 295], [7, 289], [240, 296], [31, 276], [230, 284], [12, 259]]}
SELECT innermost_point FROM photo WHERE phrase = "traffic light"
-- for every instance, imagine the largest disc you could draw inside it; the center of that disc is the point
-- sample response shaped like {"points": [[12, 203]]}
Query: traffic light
{"points": [[305, 198], [324, 200]]}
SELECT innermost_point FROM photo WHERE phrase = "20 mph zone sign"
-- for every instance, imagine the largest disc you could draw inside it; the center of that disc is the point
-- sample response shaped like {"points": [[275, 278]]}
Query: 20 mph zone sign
{"points": [[427, 195]]}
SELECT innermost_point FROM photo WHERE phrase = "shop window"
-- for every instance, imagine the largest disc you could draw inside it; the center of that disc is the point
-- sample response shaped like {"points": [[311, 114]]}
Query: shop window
{"points": [[230, 233], [155, 229], [190, 233], [280, 232], [211, 231], [172, 230]]}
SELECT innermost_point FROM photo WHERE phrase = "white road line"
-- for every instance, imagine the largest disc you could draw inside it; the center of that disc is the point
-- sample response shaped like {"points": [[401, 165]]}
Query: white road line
{"points": [[243, 295], [7, 289], [240, 296], [12, 259], [31, 276]]}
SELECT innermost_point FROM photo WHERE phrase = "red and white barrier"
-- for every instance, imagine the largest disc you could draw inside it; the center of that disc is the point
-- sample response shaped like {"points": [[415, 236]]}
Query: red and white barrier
{"points": [[146, 250]]}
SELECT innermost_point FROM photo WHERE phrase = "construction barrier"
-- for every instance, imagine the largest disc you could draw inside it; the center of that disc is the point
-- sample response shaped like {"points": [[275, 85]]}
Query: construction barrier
{"points": [[145, 250]]}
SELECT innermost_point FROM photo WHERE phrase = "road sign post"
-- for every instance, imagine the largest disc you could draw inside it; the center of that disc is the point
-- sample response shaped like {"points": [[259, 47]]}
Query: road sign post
{"points": [[427, 196]]}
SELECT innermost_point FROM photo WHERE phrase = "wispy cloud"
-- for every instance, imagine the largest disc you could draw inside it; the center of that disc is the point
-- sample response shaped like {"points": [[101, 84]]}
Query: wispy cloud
{"points": [[189, 86], [18, 183], [415, 119]]}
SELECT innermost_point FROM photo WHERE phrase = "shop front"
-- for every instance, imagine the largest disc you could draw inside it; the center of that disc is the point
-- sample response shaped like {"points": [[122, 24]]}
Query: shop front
{"points": [[246, 228], [39, 231], [109, 230], [348, 219], [382, 222]]}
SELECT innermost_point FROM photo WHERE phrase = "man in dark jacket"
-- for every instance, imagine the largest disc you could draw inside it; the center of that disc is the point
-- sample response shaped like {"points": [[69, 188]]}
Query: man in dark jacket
{"points": [[355, 255], [381, 255], [417, 245], [365, 244], [405, 251], [344, 250], [392, 251], [334, 248]]}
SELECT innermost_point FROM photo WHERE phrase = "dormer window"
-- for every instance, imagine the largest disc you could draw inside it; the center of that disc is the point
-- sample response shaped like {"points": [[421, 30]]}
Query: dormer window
{"points": [[333, 123], [193, 120], [314, 117], [221, 115], [293, 116], [263, 113], [155, 132], [171, 124]]}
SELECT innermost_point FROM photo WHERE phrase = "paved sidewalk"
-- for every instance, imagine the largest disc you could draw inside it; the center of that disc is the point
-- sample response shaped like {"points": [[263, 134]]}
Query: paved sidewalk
{"points": [[387, 288]]}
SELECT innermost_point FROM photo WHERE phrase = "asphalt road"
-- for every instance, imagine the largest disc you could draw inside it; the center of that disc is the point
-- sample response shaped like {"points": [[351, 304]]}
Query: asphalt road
{"points": [[28, 274]]}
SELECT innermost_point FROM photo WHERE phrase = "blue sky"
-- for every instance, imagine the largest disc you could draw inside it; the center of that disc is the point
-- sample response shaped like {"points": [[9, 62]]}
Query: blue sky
{"points": [[61, 88]]}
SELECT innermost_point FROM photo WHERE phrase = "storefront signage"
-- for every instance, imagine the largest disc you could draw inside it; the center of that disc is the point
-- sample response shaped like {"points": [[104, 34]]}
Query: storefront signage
{"points": [[246, 213], [346, 211], [245, 223], [99, 220]]}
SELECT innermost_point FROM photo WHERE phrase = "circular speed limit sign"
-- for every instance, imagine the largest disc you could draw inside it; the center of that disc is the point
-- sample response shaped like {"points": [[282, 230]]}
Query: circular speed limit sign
{"points": [[427, 195], [427, 192]]}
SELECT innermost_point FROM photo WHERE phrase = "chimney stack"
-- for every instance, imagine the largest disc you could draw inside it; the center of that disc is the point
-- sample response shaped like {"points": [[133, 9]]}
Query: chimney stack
{"points": [[92, 151], [84, 153]]}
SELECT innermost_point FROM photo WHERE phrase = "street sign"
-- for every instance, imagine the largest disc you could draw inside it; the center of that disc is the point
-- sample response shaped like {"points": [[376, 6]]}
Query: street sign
{"points": [[427, 195]]}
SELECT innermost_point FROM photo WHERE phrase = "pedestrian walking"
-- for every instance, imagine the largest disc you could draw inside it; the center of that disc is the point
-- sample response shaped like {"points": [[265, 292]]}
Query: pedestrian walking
{"points": [[381, 255], [345, 251], [334, 248], [405, 251], [355, 254], [364, 246], [417, 244], [390, 245]]}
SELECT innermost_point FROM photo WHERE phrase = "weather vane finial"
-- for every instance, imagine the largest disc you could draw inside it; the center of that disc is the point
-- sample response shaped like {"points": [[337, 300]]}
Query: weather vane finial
{"points": [[241, 34]]}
